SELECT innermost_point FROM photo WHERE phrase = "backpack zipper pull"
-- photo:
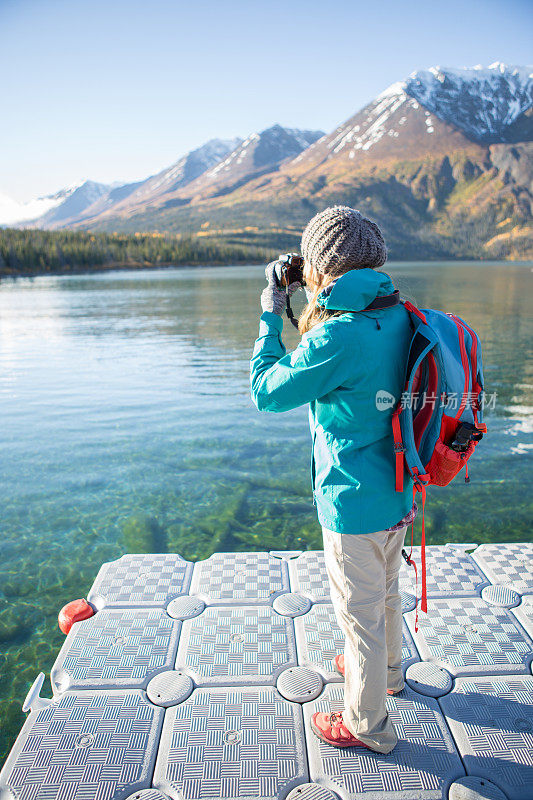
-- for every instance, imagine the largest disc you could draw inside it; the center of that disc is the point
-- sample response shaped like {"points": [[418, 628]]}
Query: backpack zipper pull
{"points": [[378, 326]]}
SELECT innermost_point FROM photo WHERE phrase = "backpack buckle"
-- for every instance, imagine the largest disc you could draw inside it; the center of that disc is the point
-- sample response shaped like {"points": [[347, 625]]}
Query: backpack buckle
{"points": [[398, 447], [420, 480]]}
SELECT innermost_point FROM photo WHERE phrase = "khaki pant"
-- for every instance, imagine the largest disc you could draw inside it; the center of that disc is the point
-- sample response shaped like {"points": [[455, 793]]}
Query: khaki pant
{"points": [[363, 574]]}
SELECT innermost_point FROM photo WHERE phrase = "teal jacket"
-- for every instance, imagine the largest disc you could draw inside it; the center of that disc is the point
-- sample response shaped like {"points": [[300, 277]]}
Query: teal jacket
{"points": [[343, 367]]}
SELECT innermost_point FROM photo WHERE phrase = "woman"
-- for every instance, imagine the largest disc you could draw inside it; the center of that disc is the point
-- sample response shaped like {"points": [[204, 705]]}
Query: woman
{"points": [[348, 359]]}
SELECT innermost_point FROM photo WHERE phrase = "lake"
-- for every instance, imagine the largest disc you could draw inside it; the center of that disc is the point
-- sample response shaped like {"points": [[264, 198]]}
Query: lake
{"points": [[127, 426]]}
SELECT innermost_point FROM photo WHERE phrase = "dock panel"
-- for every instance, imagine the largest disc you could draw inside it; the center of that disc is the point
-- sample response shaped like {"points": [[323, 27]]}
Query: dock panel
{"points": [[235, 653]]}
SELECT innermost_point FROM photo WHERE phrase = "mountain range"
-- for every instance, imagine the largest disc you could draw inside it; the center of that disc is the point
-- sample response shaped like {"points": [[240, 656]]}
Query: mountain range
{"points": [[442, 161]]}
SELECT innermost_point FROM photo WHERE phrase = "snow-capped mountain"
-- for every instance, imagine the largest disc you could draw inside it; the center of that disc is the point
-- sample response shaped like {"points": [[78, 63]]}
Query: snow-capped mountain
{"points": [[158, 188], [258, 154], [74, 204], [215, 167], [195, 163], [52, 211], [90, 201], [430, 174], [433, 111], [415, 151], [481, 101], [265, 149], [12, 211], [394, 125]]}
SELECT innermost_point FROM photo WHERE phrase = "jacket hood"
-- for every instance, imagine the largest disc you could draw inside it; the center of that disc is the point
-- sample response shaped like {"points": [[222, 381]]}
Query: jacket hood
{"points": [[355, 290]]}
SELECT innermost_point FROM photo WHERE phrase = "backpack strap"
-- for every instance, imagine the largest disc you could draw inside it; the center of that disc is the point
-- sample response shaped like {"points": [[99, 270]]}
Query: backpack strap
{"points": [[399, 449], [410, 560], [384, 301]]}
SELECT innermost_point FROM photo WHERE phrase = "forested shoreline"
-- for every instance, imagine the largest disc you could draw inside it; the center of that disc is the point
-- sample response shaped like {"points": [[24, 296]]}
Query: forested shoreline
{"points": [[34, 252]]}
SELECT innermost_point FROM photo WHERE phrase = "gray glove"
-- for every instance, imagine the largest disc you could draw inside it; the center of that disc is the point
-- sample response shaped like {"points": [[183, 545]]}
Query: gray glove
{"points": [[274, 299]]}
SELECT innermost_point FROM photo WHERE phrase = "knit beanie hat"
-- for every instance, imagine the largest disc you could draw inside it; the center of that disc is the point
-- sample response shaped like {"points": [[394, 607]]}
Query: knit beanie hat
{"points": [[339, 239]]}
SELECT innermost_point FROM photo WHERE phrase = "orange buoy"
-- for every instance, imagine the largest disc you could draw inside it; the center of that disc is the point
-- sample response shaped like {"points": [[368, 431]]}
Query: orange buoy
{"points": [[74, 612]]}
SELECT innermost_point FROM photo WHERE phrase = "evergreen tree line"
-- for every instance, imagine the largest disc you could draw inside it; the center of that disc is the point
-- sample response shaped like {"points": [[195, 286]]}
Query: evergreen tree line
{"points": [[29, 251]]}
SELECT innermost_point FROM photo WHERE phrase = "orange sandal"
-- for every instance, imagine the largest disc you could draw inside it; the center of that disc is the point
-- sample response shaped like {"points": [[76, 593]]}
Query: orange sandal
{"points": [[330, 729]]}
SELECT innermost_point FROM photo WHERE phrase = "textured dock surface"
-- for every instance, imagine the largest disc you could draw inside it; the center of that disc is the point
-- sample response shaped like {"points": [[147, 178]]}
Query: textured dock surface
{"points": [[198, 681]]}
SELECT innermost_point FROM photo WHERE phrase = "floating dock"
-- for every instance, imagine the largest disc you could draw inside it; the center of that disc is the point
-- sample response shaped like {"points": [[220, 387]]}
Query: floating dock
{"points": [[196, 681]]}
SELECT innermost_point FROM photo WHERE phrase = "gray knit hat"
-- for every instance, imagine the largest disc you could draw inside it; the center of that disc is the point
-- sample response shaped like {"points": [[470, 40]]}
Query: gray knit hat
{"points": [[339, 239]]}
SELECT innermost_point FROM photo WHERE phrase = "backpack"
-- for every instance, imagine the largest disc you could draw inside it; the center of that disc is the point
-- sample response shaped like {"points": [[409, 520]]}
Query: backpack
{"points": [[437, 424]]}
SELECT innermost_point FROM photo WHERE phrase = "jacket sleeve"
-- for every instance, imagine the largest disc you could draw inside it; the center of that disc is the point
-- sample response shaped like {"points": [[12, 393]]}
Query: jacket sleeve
{"points": [[281, 381]]}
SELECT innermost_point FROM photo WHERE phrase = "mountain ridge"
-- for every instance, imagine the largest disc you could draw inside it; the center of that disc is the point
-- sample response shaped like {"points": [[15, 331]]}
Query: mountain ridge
{"points": [[450, 175], [242, 159]]}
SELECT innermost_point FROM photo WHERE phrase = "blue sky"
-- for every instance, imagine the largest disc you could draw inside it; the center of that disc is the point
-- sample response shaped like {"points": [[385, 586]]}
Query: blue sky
{"points": [[114, 90]]}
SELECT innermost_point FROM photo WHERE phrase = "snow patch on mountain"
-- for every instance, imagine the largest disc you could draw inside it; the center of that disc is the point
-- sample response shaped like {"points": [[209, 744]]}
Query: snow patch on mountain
{"points": [[269, 147], [13, 212], [374, 127], [73, 204], [481, 101], [187, 168]]}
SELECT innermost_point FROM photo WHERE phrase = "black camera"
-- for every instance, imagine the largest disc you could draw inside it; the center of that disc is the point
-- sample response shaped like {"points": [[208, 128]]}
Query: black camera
{"points": [[290, 270], [465, 433]]}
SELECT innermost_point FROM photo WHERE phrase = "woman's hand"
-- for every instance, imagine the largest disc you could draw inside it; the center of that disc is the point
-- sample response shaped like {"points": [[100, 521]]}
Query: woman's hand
{"points": [[274, 298]]}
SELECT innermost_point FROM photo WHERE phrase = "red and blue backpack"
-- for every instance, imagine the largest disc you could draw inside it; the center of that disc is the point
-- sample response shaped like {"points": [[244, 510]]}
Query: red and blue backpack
{"points": [[437, 423]]}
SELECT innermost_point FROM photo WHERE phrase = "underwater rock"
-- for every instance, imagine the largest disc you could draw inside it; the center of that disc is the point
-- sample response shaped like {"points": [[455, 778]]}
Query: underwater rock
{"points": [[143, 534]]}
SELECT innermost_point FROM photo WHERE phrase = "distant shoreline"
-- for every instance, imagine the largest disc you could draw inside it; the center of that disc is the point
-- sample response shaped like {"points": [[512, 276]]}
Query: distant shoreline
{"points": [[136, 267], [122, 267]]}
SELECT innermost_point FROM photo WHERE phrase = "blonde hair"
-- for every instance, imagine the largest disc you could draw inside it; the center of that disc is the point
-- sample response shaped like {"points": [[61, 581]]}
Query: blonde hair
{"points": [[313, 313]]}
